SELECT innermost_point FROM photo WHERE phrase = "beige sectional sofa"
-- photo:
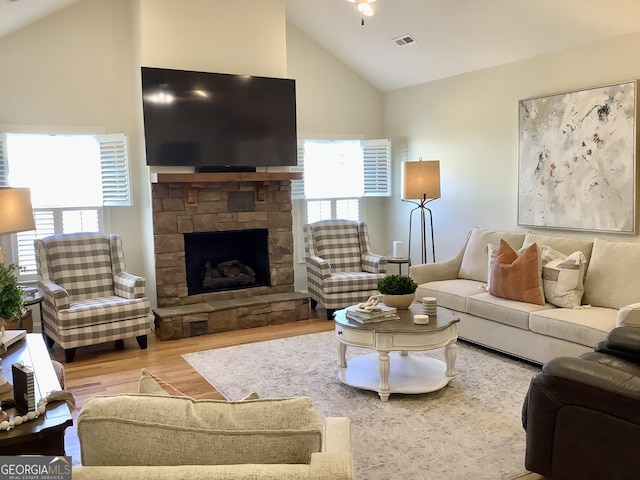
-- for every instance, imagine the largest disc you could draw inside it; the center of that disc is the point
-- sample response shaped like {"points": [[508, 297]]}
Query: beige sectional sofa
{"points": [[156, 436], [538, 333]]}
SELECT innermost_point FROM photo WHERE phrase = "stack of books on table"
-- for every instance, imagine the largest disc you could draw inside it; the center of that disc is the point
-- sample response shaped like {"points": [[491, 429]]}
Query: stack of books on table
{"points": [[23, 388], [379, 314]]}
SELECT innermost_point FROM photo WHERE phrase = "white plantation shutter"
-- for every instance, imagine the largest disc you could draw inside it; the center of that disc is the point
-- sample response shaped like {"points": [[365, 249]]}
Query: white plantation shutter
{"points": [[45, 226], [297, 186], [348, 209], [376, 163], [57, 213], [377, 167], [114, 161], [4, 167]]}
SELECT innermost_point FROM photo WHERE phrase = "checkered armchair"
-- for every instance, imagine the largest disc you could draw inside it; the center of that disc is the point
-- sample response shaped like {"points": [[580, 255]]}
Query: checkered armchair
{"points": [[88, 296], [341, 269]]}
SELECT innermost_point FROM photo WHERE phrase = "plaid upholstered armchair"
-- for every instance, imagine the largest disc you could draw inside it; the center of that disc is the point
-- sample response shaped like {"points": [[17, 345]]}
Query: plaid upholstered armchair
{"points": [[341, 270], [88, 297]]}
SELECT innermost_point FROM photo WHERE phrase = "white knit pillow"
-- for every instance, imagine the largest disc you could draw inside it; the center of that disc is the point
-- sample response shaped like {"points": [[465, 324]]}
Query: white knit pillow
{"points": [[562, 277]]}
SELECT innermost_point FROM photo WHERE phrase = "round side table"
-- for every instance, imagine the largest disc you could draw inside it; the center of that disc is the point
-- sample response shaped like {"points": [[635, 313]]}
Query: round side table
{"points": [[399, 261], [31, 297]]}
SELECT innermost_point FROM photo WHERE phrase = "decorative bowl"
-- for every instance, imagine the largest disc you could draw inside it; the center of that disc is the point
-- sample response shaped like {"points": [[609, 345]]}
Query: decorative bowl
{"points": [[401, 302]]}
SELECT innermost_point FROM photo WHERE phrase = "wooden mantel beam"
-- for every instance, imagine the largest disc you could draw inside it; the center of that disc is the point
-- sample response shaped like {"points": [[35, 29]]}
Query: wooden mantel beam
{"points": [[224, 177], [193, 180]]}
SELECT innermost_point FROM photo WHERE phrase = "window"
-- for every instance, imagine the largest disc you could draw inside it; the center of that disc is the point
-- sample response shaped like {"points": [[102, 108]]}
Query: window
{"points": [[337, 173], [71, 178]]}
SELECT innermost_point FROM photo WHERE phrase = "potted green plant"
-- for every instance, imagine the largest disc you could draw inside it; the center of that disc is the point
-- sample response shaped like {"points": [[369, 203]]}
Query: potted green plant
{"points": [[398, 290], [11, 296]]}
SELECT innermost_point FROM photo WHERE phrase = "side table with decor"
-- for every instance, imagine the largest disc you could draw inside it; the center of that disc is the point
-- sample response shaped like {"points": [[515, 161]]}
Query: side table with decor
{"points": [[32, 297], [43, 435]]}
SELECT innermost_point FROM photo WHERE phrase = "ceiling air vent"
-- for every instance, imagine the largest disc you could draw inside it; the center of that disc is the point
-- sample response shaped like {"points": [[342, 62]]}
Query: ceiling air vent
{"points": [[403, 40]]}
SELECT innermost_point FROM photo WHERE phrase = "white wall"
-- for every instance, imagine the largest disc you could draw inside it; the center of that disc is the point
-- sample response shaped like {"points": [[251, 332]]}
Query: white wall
{"points": [[242, 36], [470, 123], [332, 100]]}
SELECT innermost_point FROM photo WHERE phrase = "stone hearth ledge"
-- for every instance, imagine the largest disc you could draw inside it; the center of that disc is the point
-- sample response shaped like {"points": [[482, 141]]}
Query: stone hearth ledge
{"points": [[226, 315]]}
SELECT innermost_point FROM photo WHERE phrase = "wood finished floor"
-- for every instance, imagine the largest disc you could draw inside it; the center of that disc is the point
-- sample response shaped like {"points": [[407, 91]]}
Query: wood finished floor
{"points": [[103, 370]]}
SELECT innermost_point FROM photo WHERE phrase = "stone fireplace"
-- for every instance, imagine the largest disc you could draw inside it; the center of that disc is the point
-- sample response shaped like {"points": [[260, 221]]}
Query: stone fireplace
{"points": [[228, 219], [217, 261]]}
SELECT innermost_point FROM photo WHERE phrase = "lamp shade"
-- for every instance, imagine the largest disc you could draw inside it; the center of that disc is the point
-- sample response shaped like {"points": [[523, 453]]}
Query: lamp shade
{"points": [[16, 214], [421, 180]]}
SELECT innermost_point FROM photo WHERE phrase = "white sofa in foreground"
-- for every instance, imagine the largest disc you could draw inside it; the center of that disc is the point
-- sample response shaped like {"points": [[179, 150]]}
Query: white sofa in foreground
{"points": [[538, 332], [155, 437]]}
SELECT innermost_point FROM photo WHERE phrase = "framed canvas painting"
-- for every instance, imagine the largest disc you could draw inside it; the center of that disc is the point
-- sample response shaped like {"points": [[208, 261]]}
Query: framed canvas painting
{"points": [[577, 160]]}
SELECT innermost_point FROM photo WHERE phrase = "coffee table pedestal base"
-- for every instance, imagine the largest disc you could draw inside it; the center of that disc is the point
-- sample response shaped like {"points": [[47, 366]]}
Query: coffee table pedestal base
{"points": [[409, 374]]}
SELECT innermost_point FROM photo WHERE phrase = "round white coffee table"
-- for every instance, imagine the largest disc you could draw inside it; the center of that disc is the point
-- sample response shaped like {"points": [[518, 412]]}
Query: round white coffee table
{"points": [[391, 369]]}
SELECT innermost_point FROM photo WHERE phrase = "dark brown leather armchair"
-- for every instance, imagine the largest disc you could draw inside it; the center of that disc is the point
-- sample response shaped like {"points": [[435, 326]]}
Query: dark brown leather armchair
{"points": [[582, 415]]}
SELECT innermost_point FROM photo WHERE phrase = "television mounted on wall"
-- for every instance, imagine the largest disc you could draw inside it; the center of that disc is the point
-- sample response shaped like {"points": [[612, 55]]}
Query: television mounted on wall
{"points": [[218, 121]]}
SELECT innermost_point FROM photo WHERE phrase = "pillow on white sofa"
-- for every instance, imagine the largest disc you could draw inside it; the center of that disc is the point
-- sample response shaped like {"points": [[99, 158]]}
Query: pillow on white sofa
{"points": [[151, 383], [562, 277], [613, 274], [565, 245], [474, 264], [517, 276]]}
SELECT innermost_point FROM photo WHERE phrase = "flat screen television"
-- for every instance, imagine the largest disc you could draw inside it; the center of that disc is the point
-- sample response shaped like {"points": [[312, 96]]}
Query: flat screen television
{"points": [[218, 121]]}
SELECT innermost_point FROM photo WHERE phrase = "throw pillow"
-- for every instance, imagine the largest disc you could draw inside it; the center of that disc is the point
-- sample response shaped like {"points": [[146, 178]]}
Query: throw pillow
{"points": [[492, 253], [151, 383], [517, 277], [562, 277], [474, 264], [250, 396]]}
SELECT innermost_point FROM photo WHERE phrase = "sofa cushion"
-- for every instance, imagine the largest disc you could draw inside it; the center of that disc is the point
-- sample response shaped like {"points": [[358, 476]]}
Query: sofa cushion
{"points": [[170, 430], [566, 245], [585, 326], [338, 243], [451, 294], [613, 274], [503, 310], [81, 264], [347, 282], [151, 383], [562, 277], [474, 264], [517, 277]]}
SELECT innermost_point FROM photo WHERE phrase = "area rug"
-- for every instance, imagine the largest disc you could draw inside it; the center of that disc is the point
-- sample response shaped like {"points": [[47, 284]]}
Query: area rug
{"points": [[471, 429]]}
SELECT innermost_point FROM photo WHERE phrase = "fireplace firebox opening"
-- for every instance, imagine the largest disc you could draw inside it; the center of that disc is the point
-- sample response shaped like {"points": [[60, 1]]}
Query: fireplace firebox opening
{"points": [[229, 260]]}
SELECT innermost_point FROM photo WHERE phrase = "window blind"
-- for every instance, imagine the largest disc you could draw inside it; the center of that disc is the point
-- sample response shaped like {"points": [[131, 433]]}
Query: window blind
{"points": [[297, 186], [4, 174], [114, 165], [376, 163], [377, 167]]}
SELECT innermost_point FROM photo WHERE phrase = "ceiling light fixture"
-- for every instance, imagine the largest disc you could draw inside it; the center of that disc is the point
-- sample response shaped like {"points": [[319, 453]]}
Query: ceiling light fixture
{"points": [[364, 7]]}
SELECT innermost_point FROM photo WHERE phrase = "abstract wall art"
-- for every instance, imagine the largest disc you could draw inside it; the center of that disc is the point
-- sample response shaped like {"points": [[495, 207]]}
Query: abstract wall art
{"points": [[577, 160]]}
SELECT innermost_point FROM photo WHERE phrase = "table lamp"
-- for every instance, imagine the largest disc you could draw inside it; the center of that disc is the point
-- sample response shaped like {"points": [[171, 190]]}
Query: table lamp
{"points": [[421, 185], [16, 214]]}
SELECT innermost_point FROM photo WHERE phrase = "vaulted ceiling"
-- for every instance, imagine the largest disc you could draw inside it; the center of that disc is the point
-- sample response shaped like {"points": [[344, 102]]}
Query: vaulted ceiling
{"points": [[450, 37]]}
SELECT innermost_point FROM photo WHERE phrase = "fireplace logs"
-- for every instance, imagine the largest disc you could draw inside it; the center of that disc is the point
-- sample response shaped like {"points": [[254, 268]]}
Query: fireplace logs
{"points": [[231, 274]]}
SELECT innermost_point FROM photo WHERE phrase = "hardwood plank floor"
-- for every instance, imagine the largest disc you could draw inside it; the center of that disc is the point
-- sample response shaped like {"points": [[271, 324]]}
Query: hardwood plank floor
{"points": [[103, 370]]}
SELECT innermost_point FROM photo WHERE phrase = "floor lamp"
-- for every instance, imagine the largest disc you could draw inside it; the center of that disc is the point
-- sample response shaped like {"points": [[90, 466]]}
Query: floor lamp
{"points": [[420, 185]]}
